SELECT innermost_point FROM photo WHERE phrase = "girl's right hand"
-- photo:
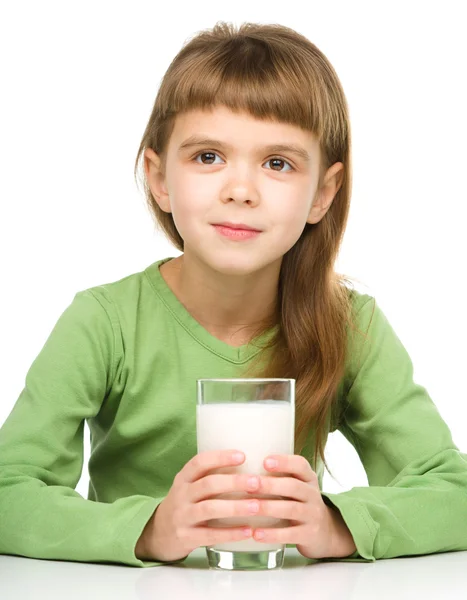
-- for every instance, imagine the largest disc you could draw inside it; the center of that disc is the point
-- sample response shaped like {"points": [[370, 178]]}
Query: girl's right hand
{"points": [[178, 525]]}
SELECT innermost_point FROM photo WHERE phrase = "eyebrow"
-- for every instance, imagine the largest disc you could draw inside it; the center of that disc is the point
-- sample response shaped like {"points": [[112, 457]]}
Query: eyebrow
{"points": [[196, 140]]}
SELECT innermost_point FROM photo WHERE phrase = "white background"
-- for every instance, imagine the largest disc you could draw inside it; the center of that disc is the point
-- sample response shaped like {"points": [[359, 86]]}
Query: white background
{"points": [[78, 84]]}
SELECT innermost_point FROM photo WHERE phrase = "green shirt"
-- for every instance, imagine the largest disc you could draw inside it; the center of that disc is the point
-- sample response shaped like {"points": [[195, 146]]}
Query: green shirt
{"points": [[125, 356]]}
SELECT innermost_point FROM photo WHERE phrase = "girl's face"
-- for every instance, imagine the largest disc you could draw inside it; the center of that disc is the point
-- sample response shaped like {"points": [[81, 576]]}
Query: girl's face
{"points": [[236, 178]]}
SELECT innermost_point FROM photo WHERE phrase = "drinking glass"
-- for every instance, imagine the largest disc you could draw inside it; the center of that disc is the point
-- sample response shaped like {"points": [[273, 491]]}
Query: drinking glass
{"points": [[257, 417]]}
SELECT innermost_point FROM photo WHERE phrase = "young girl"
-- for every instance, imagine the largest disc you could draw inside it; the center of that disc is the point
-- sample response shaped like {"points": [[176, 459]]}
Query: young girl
{"points": [[247, 164]]}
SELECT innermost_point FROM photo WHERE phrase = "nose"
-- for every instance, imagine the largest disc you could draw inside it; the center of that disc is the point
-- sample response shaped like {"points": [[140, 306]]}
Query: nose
{"points": [[241, 195], [241, 188]]}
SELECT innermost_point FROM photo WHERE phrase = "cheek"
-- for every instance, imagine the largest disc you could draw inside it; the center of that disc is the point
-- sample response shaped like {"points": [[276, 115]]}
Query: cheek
{"points": [[289, 225], [292, 221], [190, 208], [183, 217]]}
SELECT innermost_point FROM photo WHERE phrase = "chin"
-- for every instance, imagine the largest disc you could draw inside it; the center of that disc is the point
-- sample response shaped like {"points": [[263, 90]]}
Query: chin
{"points": [[239, 265], [233, 269]]}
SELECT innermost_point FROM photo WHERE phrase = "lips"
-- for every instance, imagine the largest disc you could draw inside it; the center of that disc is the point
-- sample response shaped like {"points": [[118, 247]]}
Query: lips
{"points": [[237, 235], [242, 226]]}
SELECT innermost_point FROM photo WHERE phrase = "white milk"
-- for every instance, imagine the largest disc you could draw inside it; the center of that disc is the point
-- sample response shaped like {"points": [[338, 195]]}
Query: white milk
{"points": [[257, 428]]}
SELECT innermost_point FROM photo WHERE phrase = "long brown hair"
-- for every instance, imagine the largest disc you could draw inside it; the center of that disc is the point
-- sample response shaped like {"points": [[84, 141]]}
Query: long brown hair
{"points": [[273, 72]]}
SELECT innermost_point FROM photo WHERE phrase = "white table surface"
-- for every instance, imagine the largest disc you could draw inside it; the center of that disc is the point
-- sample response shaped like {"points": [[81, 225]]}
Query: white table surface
{"points": [[434, 576]]}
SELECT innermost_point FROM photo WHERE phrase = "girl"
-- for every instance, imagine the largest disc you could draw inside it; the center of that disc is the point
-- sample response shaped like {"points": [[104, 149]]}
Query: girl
{"points": [[247, 169]]}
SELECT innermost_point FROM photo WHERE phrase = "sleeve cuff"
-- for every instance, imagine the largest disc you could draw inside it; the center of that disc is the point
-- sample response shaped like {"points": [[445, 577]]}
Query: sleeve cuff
{"points": [[131, 533], [361, 526]]}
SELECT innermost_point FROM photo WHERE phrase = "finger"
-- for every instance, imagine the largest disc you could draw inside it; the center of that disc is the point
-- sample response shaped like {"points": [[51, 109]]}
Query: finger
{"points": [[279, 535], [286, 487], [292, 464], [203, 462], [208, 536], [214, 485], [285, 509], [220, 509]]}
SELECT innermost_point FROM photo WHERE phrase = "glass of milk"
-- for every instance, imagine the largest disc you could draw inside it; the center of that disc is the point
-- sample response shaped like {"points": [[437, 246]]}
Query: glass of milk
{"points": [[257, 417]]}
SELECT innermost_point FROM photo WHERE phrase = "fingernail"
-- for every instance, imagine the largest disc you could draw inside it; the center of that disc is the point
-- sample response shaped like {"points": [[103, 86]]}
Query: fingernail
{"points": [[271, 463], [238, 457], [253, 506], [259, 535], [247, 532]]}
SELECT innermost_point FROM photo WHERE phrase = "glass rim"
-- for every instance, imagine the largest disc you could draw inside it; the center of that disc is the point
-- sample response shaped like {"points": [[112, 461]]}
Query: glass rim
{"points": [[241, 379]]}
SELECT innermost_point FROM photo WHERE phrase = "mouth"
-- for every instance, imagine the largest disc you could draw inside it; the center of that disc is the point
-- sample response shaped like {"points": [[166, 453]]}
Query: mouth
{"points": [[237, 226], [235, 233]]}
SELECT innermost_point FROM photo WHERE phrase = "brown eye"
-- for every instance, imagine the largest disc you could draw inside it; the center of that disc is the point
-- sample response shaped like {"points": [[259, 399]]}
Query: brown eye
{"points": [[278, 162], [209, 154]]}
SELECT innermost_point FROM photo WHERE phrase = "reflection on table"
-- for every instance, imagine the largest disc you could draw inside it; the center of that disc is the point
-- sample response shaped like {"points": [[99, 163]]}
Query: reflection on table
{"points": [[433, 576]]}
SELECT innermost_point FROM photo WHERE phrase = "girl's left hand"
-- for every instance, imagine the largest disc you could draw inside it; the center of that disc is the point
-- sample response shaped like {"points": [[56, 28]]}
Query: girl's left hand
{"points": [[318, 530]]}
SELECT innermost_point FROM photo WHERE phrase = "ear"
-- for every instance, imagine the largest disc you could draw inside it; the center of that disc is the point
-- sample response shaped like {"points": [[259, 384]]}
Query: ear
{"points": [[332, 182], [156, 179]]}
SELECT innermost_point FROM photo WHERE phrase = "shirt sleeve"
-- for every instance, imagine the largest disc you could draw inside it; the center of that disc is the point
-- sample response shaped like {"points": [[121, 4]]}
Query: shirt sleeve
{"points": [[41, 450], [416, 501]]}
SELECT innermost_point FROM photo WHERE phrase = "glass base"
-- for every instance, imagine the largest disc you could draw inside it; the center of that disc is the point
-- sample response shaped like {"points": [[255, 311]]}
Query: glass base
{"points": [[245, 561]]}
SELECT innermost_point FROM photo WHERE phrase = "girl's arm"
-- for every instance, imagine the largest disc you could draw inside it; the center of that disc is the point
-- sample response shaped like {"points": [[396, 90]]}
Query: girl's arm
{"points": [[41, 450], [416, 502]]}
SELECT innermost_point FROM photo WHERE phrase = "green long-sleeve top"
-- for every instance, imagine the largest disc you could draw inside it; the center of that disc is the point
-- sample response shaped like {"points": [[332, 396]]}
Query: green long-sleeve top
{"points": [[125, 356]]}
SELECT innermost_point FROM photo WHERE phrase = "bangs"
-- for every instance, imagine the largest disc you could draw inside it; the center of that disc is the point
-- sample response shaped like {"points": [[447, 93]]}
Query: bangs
{"points": [[248, 75]]}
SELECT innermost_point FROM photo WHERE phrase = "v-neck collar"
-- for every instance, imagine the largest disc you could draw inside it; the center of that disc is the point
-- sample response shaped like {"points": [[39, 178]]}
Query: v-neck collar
{"points": [[239, 354]]}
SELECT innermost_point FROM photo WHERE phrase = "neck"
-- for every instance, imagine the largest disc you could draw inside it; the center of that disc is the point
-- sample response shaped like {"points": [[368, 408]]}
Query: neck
{"points": [[231, 307]]}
